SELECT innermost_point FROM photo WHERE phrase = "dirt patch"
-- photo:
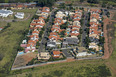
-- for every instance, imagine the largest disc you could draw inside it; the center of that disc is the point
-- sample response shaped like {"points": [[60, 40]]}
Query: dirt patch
{"points": [[106, 50], [23, 59], [108, 34]]}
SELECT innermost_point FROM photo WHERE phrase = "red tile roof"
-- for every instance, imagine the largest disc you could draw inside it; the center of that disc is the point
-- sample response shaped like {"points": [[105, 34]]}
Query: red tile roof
{"points": [[45, 9], [76, 26], [75, 34], [96, 10], [56, 53], [31, 41], [35, 32]]}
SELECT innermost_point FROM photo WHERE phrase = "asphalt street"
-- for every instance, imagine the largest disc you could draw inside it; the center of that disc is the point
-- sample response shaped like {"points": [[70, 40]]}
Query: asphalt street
{"points": [[84, 28], [44, 41]]}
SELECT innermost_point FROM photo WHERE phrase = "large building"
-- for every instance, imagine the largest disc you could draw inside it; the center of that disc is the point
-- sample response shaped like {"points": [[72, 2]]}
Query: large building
{"points": [[5, 13]]}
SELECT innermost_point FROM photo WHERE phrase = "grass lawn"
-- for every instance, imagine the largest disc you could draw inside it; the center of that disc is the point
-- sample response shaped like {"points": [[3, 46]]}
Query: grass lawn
{"points": [[26, 10], [85, 68], [9, 41], [3, 24], [112, 59]]}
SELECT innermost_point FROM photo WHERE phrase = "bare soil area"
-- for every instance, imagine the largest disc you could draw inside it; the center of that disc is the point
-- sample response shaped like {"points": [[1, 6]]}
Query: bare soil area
{"points": [[108, 32], [22, 60]]}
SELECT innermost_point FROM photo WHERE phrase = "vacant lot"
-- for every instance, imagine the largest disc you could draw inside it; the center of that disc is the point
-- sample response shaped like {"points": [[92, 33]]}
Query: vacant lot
{"points": [[22, 60], [3, 23], [90, 68], [112, 60], [9, 41]]}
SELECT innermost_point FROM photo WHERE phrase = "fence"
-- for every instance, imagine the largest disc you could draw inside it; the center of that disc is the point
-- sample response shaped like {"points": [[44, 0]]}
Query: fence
{"points": [[35, 65]]}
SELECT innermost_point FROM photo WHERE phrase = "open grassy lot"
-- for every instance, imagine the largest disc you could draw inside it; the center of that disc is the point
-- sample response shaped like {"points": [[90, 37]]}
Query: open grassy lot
{"points": [[26, 10], [9, 41], [2, 24], [85, 68]]}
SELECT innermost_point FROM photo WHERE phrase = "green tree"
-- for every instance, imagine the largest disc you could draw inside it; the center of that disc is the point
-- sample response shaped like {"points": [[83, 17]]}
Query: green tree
{"points": [[81, 1], [40, 34], [93, 1], [62, 33]]}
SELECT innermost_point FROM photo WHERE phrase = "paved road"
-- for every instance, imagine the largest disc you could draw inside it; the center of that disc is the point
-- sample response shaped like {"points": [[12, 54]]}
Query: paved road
{"points": [[83, 28], [44, 41]]}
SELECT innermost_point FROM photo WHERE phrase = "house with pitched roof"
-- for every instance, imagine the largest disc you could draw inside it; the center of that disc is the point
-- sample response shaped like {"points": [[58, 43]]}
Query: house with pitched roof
{"points": [[30, 46], [45, 12], [35, 33], [56, 54], [93, 45], [60, 15]]}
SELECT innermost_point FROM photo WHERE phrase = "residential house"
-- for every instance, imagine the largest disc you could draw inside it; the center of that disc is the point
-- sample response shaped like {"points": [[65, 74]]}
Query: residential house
{"points": [[93, 45], [35, 33], [60, 14], [77, 23], [34, 37], [56, 54], [1, 28], [76, 27], [30, 46], [54, 36], [45, 12], [75, 33], [70, 41], [81, 54], [92, 11], [56, 28], [51, 44], [43, 55]]}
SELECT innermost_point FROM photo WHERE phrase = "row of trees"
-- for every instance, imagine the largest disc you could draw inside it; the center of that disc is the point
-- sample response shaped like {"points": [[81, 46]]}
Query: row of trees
{"points": [[40, 2]]}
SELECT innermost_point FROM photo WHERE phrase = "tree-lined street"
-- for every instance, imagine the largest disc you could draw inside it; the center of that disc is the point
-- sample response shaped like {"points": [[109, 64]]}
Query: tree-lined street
{"points": [[45, 35]]}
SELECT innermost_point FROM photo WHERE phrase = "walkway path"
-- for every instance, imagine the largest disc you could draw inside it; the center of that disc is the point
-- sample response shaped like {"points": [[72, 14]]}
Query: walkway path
{"points": [[83, 28], [44, 41], [106, 48]]}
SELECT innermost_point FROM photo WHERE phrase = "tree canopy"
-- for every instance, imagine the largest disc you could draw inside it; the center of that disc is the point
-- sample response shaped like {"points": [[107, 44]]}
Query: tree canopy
{"points": [[40, 2]]}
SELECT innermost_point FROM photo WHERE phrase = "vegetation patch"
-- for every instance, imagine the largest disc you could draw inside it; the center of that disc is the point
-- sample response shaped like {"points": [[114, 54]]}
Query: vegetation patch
{"points": [[10, 39], [89, 68]]}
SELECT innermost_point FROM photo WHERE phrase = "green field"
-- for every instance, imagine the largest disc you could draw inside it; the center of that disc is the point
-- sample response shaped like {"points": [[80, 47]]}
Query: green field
{"points": [[85, 68], [9, 41]]}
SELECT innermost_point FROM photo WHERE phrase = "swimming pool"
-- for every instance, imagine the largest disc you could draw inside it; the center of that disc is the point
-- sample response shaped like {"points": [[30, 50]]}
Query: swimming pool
{"points": [[20, 53], [67, 32]]}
